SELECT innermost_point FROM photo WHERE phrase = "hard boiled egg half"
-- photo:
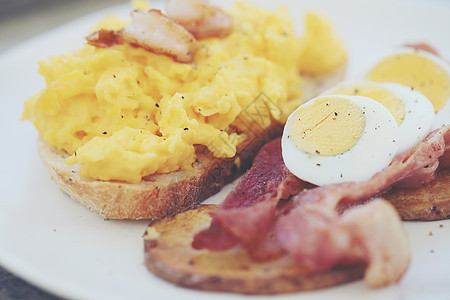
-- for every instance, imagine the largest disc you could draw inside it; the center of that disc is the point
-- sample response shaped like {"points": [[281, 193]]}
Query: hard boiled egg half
{"points": [[412, 111], [419, 70], [339, 138]]}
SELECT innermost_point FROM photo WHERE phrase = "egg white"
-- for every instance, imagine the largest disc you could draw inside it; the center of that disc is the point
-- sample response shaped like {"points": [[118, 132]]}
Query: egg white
{"points": [[442, 117], [372, 153], [419, 111]]}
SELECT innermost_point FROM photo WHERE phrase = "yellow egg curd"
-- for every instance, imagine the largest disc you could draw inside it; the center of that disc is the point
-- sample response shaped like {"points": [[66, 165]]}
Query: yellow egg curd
{"points": [[327, 127], [418, 72], [123, 113]]}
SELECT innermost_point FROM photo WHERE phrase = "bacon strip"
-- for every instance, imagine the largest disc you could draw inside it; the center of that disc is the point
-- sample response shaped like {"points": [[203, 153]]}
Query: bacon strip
{"points": [[104, 38], [261, 183], [444, 160], [320, 238], [174, 35], [199, 17], [310, 228], [154, 31], [424, 47], [259, 220], [267, 173], [424, 154]]}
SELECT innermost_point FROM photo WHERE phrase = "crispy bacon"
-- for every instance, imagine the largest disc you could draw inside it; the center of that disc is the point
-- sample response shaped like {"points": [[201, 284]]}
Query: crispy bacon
{"points": [[419, 177], [154, 31], [424, 154], [199, 17], [264, 177], [173, 35], [320, 238], [424, 47], [379, 235], [104, 38], [428, 161], [259, 184], [444, 160], [259, 220], [311, 228]]}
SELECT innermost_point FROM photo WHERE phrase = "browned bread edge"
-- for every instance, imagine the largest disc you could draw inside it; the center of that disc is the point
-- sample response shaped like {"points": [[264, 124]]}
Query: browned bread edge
{"points": [[428, 203]]}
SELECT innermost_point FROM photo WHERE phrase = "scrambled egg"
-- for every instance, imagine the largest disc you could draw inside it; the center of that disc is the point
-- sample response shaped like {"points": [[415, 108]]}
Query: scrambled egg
{"points": [[124, 112]]}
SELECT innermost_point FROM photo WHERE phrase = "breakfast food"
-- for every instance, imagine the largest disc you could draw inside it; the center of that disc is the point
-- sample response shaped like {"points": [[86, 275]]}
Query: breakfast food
{"points": [[345, 154], [327, 138], [276, 233], [150, 118], [274, 222], [420, 70], [412, 111], [318, 198], [168, 253], [423, 195]]}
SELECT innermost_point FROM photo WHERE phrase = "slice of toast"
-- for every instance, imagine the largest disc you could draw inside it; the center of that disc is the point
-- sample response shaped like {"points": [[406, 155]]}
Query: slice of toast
{"points": [[156, 195], [159, 195], [169, 255], [427, 203]]}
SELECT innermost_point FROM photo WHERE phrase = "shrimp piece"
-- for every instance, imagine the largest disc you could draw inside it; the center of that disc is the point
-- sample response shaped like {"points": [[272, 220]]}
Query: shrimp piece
{"points": [[199, 17], [154, 31]]}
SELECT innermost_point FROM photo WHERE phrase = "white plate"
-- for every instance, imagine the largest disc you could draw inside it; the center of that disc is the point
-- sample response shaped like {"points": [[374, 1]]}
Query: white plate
{"points": [[51, 241]]}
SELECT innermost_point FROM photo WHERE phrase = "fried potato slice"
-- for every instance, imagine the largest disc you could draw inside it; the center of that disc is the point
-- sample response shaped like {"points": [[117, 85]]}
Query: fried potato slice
{"points": [[169, 255]]}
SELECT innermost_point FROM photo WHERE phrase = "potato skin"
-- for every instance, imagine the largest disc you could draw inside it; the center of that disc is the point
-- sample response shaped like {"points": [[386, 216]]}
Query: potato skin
{"points": [[169, 255]]}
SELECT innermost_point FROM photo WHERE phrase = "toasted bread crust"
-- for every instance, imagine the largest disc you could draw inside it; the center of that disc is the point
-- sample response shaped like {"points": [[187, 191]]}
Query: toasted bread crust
{"points": [[159, 195], [169, 255], [427, 203]]}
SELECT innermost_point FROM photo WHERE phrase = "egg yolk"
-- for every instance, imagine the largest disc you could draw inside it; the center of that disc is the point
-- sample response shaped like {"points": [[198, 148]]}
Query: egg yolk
{"points": [[390, 100], [327, 127], [418, 72]]}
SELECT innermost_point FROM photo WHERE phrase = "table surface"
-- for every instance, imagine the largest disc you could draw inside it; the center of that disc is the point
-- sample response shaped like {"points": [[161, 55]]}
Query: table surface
{"points": [[21, 20]]}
